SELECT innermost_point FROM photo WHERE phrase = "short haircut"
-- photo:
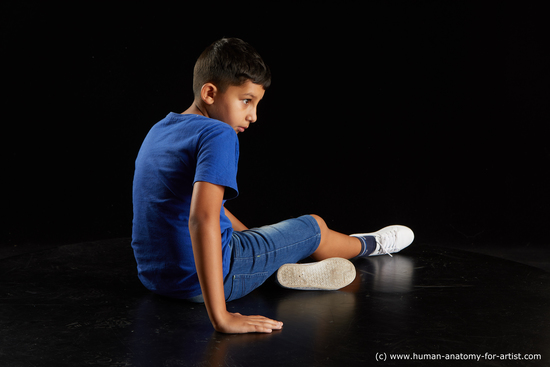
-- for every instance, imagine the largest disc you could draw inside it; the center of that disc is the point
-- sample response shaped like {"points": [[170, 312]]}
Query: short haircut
{"points": [[230, 62]]}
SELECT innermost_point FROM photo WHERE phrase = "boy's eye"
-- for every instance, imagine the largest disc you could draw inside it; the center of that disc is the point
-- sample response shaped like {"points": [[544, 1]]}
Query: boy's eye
{"points": [[246, 101]]}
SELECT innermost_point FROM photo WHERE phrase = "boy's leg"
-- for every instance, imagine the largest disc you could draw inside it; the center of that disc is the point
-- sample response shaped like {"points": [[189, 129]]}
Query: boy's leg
{"points": [[257, 253], [388, 240], [332, 271], [335, 244]]}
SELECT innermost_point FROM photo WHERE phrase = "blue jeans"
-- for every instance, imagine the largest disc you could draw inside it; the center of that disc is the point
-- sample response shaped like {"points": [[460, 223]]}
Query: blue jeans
{"points": [[257, 253]]}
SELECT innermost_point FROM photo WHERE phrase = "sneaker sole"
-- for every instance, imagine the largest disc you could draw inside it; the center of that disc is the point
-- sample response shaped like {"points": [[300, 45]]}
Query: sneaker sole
{"points": [[329, 274]]}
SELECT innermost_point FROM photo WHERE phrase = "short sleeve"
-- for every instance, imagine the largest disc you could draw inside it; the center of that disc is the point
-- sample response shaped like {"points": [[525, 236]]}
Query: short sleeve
{"points": [[218, 158]]}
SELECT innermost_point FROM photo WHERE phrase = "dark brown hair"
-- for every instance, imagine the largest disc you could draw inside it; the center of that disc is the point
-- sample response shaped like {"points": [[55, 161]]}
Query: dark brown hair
{"points": [[230, 61]]}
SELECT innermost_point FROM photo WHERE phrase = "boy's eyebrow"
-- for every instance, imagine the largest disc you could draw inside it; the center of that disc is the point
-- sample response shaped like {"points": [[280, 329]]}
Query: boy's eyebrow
{"points": [[251, 95]]}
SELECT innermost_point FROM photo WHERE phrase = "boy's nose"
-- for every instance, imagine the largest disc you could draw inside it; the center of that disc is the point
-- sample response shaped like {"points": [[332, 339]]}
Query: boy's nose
{"points": [[252, 117]]}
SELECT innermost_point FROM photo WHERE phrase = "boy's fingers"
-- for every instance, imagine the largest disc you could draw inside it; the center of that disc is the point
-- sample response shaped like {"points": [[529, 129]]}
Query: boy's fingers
{"points": [[264, 325], [267, 325], [266, 319], [248, 324]]}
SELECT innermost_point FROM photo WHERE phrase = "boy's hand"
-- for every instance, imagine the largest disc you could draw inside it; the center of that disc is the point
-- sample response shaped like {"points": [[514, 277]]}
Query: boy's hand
{"points": [[235, 323]]}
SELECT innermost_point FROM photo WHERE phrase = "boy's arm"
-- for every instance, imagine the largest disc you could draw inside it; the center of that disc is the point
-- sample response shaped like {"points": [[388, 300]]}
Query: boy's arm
{"points": [[204, 226], [235, 223]]}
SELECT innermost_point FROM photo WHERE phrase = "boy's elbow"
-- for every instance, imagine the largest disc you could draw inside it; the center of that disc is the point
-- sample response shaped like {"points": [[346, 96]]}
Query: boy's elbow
{"points": [[204, 228], [199, 220]]}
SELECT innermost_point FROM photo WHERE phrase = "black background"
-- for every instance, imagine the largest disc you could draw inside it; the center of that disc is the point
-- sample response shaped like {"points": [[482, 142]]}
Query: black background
{"points": [[425, 113]]}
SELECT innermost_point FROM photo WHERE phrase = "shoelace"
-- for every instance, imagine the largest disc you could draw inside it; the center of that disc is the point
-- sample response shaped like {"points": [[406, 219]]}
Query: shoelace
{"points": [[391, 241]]}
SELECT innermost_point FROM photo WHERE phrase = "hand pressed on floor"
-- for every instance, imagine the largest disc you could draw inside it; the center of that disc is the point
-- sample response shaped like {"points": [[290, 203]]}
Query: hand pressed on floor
{"points": [[235, 323]]}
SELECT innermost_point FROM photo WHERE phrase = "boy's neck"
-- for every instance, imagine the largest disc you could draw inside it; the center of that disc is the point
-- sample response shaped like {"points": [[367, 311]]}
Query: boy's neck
{"points": [[195, 109]]}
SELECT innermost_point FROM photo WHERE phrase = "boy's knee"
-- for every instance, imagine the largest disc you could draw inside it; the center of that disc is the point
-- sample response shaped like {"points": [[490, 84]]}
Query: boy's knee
{"points": [[321, 222]]}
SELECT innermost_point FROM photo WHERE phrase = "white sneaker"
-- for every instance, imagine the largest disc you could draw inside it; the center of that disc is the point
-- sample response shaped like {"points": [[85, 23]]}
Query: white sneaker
{"points": [[328, 274], [390, 239]]}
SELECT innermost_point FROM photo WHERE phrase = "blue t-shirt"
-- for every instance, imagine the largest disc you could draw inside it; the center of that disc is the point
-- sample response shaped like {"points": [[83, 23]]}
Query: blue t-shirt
{"points": [[177, 152]]}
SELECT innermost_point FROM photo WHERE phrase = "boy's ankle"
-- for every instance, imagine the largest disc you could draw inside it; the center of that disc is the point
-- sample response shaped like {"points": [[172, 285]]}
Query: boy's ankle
{"points": [[368, 244]]}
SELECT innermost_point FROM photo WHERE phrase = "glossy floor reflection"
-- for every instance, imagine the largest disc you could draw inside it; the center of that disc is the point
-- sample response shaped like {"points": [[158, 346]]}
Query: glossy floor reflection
{"points": [[82, 304]]}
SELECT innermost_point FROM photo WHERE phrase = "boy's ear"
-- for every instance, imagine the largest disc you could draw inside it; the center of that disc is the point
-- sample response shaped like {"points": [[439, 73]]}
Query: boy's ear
{"points": [[208, 93]]}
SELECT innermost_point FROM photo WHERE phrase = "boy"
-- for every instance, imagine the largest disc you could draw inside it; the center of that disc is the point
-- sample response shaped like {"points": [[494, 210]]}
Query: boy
{"points": [[187, 245]]}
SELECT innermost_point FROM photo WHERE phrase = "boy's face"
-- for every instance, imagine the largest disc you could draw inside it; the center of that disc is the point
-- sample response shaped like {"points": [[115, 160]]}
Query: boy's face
{"points": [[237, 105]]}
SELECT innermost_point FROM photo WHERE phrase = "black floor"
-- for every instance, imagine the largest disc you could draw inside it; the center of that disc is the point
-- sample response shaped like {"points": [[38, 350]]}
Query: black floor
{"points": [[82, 304]]}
